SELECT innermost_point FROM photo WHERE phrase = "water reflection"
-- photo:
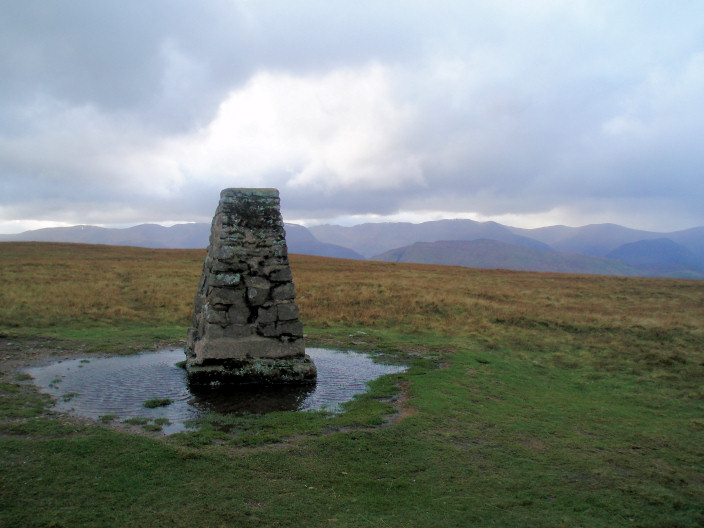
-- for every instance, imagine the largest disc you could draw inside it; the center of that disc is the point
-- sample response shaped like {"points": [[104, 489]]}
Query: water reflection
{"points": [[259, 400], [119, 386]]}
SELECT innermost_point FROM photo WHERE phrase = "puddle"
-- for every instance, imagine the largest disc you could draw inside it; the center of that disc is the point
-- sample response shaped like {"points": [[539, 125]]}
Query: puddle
{"points": [[119, 386]]}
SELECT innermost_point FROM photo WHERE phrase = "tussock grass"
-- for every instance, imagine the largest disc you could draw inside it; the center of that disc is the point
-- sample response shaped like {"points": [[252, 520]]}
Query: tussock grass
{"points": [[46, 285], [646, 324], [157, 402]]}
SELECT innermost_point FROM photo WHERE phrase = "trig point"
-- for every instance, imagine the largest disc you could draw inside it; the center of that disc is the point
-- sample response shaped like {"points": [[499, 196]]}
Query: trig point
{"points": [[245, 321]]}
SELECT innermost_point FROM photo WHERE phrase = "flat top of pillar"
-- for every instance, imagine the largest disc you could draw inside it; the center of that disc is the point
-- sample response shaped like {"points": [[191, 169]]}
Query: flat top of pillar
{"points": [[250, 192]]}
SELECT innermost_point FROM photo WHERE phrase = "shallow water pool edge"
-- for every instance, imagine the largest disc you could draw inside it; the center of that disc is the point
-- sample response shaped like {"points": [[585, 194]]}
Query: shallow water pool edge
{"points": [[158, 420]]}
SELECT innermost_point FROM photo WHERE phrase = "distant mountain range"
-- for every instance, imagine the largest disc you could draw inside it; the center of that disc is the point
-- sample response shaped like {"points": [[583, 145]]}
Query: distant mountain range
{"points": [[373, 239], [598, 249], [493, 254], [619, 250], [183, 236]]}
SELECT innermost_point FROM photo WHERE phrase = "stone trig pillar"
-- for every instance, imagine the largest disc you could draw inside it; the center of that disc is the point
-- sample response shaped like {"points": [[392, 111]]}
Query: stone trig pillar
{"points": [[245, 321]]}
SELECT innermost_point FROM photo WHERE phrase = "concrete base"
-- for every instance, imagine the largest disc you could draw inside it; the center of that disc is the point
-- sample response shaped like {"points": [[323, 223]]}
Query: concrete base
{"points": [[215, 350], [296, 370]]}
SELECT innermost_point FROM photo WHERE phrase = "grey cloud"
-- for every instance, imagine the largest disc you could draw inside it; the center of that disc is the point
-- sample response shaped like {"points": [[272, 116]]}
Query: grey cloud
{"points": [[172, 62], [116, 56], [518, 107]]}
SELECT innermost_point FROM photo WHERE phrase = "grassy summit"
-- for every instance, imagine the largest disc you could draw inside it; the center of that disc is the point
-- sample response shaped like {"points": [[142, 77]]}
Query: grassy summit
{"points": [[532, 400]]}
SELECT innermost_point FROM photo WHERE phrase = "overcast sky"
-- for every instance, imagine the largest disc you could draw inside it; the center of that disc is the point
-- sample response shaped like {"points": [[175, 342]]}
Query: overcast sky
{"points": [[530, 113]]}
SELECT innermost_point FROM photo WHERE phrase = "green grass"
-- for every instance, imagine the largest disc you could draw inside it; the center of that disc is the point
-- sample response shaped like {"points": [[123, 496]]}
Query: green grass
{"points": [[532, 400], [497, 443], [157, 402]]}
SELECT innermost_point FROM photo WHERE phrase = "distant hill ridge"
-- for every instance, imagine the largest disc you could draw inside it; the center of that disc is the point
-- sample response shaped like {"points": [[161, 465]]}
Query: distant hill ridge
{"points": [[619, 250], [180, 236], [494, 254], [660, 256], [372, 239]]}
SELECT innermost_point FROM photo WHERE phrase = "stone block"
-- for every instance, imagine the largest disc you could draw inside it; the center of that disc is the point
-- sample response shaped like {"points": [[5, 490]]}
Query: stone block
{"points": [[257, 296], [292, 328], [215, 316], [284, 292], [226, 296], [224, 279], [192, 337], [268, 330], [267, 315], [202, 283], [215, 331], [257, 282], [255, 346], [282, 274], [239, 313], [287, 312], [198, 303], [201, 324], [225, 254]]}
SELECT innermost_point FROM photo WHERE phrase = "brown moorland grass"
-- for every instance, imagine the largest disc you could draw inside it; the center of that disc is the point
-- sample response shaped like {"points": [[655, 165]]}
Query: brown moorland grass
{"points": [[650, 323], [47, 284], [649, 327]]}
